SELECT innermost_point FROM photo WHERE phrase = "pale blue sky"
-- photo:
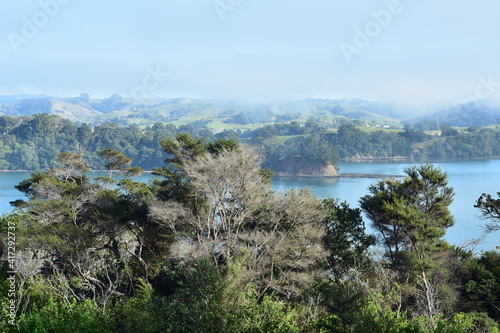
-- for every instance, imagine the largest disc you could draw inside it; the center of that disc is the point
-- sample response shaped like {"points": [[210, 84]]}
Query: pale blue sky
{"points": [[423, 52]]}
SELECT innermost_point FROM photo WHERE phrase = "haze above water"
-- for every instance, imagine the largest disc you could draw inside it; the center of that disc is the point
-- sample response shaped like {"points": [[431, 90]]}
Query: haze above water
{"points": [[470, 178]]}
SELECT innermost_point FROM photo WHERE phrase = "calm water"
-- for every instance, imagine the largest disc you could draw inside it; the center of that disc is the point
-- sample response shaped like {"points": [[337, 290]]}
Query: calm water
{"points": [[469, 178]]}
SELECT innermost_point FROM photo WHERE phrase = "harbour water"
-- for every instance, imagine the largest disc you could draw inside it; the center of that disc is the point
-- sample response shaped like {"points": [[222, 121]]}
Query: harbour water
{"points": [[469, 178]]}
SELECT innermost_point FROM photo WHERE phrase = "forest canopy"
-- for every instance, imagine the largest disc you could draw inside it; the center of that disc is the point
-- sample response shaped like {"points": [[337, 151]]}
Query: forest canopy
{"points": [[209, 247], [34, 142]]}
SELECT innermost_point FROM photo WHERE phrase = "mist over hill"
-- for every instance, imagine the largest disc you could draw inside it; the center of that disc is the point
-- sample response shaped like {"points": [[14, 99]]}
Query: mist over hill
{"points": [[477, 113], [223, 114]]}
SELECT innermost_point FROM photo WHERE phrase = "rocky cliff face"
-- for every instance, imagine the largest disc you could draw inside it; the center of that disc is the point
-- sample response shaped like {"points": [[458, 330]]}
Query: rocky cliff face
{"points": [[301, 167]]}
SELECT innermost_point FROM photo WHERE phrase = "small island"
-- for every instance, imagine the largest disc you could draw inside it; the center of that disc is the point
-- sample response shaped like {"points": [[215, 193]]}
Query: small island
{"points": [[300, 167]]}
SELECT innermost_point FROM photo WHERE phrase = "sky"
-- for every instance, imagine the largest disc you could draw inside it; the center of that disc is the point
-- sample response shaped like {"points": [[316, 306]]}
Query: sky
{"points": [[411, 52]]}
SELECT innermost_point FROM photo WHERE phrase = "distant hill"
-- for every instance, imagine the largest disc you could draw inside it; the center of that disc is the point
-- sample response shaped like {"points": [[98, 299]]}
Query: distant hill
{"points": [[8, 99], [477, 113], [217, 114], [228, 114], [73, 112]]}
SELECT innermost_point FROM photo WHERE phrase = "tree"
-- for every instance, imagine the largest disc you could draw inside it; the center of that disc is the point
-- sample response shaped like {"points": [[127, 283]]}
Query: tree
{"points": [[448, 131], [71, 165], [490, 209], [228, 211], [478, 279], [411, 214], [91, 241], [346, 240], [117, 163], [174, 184]]}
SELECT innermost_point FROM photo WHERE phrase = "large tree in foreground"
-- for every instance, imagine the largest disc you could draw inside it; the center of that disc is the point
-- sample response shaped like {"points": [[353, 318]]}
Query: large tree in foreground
{"points": [[411, 215], [91, 238], [222, 207]]}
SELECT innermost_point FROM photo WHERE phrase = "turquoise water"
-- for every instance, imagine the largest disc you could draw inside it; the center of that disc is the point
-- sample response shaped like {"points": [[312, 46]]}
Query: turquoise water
{"points": [[469, 178], [7, 191]]}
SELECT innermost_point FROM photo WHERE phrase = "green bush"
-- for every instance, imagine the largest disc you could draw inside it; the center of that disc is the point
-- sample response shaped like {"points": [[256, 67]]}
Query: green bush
{"points": [[56, 317]]}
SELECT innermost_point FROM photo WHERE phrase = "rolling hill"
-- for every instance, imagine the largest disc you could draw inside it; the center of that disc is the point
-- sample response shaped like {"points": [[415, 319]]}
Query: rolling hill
{"points": [[228, 114], [479, 113], [221, 113]]}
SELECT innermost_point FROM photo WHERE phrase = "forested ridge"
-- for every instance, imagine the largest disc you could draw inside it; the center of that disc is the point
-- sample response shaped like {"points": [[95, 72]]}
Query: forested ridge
{"points": [[34, 142], [209, 247]]}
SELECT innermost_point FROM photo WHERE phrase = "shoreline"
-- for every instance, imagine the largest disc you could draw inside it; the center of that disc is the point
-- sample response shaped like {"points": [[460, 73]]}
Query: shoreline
{"points": [[347, 159], [402, 158]]}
